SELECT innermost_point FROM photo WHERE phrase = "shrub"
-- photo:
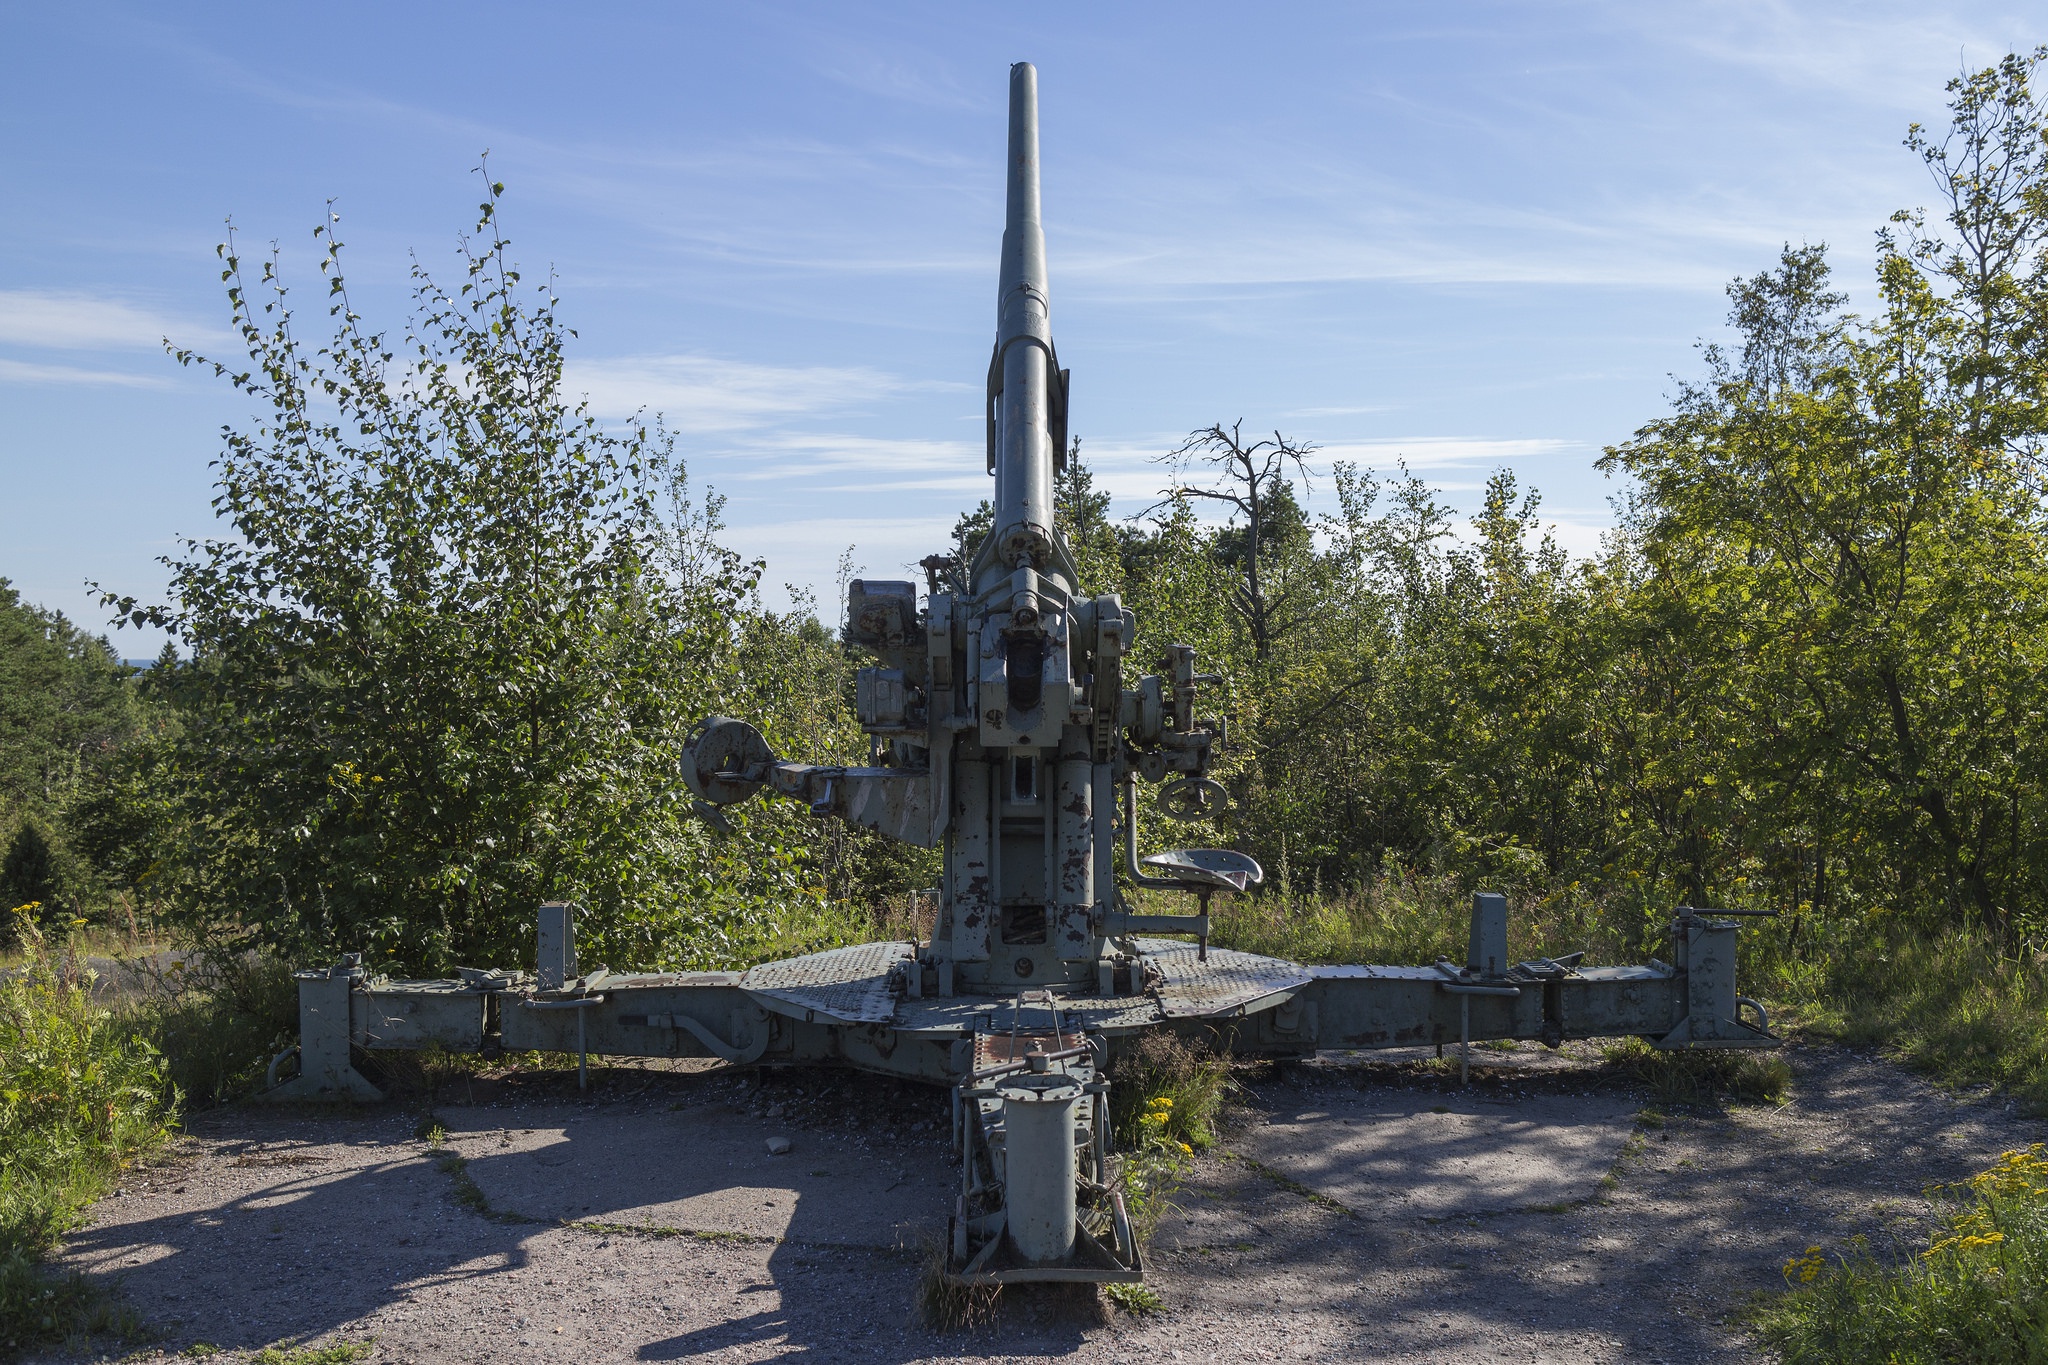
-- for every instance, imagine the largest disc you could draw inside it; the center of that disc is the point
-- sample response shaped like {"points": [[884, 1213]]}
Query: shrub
{"points": [[218, 1019], [80, 1099]]}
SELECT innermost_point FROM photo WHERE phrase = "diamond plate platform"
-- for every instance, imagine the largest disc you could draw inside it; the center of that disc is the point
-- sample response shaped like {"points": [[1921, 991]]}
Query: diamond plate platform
{"points": [[961, 1015], [850, 985], [1228, 983]]}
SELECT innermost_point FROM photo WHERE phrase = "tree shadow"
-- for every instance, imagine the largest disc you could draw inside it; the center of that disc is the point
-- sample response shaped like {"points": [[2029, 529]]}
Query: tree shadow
{"points": [[319, 1220]]}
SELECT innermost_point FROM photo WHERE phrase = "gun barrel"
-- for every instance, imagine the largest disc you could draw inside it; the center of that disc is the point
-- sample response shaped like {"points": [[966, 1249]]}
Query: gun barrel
{"points": [[1023, 450]]}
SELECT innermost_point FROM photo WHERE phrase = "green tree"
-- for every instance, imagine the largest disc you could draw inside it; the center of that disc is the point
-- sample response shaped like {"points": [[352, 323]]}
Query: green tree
{"points": [[28, 871], [64, 699], [1846, 519], [439, 665]]}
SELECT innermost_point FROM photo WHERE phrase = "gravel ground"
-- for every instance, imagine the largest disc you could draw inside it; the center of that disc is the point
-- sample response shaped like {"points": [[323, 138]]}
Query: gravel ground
{"points": [[1355, 1211]]}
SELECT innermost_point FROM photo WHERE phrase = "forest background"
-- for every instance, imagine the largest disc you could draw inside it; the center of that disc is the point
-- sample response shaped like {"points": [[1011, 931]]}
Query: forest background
{"points": [[440, 660]]}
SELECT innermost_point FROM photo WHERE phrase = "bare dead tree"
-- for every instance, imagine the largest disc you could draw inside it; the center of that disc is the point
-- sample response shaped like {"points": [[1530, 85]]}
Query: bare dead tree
{"points": [[1249, 478]]}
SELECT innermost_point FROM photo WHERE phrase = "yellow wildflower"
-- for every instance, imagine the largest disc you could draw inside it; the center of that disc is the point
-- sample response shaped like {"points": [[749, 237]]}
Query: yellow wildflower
{"points": [[1805, 1268]]}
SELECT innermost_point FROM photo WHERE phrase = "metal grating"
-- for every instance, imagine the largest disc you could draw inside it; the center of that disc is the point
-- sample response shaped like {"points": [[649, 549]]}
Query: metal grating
{"points": [[848, 984], [1228, 982]]}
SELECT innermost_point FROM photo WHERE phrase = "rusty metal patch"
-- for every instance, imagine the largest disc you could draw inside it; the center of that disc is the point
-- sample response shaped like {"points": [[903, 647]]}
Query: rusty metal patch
{"points": [[994, 1049]]}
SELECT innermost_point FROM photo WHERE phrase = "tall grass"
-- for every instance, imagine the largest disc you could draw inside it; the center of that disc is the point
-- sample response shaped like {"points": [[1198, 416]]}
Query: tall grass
{"points": [[1406, 917], [1952, 1002], [1955, 1003], [815, 926], [1164, 1107], [218, 1019], [1169, 1089], [81, 1097], [1979, 1293]]}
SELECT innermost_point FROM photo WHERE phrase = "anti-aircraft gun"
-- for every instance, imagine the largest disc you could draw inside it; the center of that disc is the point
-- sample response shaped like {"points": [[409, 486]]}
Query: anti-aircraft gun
{"points": [[1011, 729]]}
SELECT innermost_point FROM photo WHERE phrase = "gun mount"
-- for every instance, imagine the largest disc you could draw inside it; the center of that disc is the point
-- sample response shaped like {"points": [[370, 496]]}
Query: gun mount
{"points": [[1010, 730]]}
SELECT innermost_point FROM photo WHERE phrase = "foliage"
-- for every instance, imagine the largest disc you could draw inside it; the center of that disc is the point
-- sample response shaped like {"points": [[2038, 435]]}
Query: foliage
{"points": [[68, 710], [1401, 916], [438, 662], [440, 669], [1254, 479], [334, 1353], [1978, 1293], [1957, 1002], [1136, 1299], [217, 1018], [63, 699], [1170, 1091], [28, 872], [38, 1307], [80, 1099], [1699, 1077], [1806, 673]]}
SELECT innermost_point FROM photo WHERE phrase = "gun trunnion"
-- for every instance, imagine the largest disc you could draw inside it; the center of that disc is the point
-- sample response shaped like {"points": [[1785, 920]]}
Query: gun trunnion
{"points": [[1008, 731]]}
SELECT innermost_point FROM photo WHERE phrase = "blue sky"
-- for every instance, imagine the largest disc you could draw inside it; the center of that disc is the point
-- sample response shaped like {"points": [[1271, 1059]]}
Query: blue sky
{"points": [[1468, 235]]}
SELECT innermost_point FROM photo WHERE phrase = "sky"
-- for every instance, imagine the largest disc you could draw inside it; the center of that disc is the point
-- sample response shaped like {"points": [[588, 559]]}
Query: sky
{"points": [[1467, 236]]}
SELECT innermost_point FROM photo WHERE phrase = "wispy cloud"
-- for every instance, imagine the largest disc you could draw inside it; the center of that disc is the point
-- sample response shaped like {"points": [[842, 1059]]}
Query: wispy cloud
{"points": [[85, 322], [883, 459], [1338, 411], [897, 72], [700, 393], [23, 372], [1133, 472], [1875, 52], [1445, 452]]}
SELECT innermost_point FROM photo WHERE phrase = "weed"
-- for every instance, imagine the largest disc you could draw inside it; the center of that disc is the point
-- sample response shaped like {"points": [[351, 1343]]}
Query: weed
{"points": [[1137, 1299], [1978, 1293], [1291, 1185], [1191, 1080], [466, 1192], [80, 1099], [200, 1350], [1957, 1004], [218, 1018], [1410, 917], [1702, 1076], [291, 1353], [662, 1231], [39, 1306], [945, 1306], [1163, 1107]]}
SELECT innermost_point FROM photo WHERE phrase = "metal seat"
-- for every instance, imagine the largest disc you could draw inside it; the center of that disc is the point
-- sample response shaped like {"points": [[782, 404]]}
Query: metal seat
{"points": [[1206, 870]]}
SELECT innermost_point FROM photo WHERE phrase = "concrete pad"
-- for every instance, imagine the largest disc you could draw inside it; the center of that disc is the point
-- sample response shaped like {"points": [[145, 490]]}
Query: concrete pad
{"points": [[704, 1170], [1393, 1155]]}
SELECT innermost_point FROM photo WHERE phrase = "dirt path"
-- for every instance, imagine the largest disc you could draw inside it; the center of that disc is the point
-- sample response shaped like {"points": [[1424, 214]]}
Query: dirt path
{"points": [[1356, 1212]]}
